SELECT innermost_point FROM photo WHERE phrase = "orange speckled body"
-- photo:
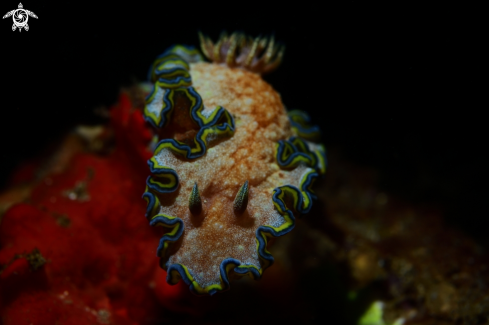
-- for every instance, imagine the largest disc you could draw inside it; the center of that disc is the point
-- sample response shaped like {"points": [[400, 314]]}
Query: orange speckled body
{"points": [[258, 147]]}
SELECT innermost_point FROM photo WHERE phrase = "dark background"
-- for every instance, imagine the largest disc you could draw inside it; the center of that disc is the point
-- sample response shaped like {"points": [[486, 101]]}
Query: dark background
{"points": [[393, 87]]}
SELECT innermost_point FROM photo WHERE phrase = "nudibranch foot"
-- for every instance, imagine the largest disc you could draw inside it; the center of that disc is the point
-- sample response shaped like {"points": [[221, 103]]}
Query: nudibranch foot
{"points": [[231, 169]]}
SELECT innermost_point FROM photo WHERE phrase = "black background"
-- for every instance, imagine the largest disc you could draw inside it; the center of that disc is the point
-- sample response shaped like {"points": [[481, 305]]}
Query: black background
{"points": [[395, 87]]}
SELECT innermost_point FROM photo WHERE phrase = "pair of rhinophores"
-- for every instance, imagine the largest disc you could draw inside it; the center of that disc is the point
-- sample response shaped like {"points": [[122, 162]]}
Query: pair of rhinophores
{"points": [[232, 167], [239, 205]]}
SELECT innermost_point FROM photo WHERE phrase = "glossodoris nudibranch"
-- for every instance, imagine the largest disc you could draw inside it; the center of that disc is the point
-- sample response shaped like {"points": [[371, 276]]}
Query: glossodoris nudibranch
{"points": [[232, 167]]}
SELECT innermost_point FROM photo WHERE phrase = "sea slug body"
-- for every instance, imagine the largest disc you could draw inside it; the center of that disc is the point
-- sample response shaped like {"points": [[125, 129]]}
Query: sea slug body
{"points": [[231, 168]]}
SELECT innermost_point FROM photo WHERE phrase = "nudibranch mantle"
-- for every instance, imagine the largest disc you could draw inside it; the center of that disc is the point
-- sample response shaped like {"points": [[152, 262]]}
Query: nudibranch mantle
{"points": [[260, 146]]}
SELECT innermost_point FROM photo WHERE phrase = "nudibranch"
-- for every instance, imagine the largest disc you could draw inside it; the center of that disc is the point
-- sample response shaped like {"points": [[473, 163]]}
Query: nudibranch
{"points": [[232, 168]]}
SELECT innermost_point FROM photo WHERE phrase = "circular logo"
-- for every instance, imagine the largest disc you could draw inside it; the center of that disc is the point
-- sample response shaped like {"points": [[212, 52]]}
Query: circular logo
{"points": [[20, 17]]}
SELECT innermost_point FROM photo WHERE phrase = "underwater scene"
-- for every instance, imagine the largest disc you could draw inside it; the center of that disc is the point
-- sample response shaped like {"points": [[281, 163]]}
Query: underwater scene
{"points": [[168, 165]]}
